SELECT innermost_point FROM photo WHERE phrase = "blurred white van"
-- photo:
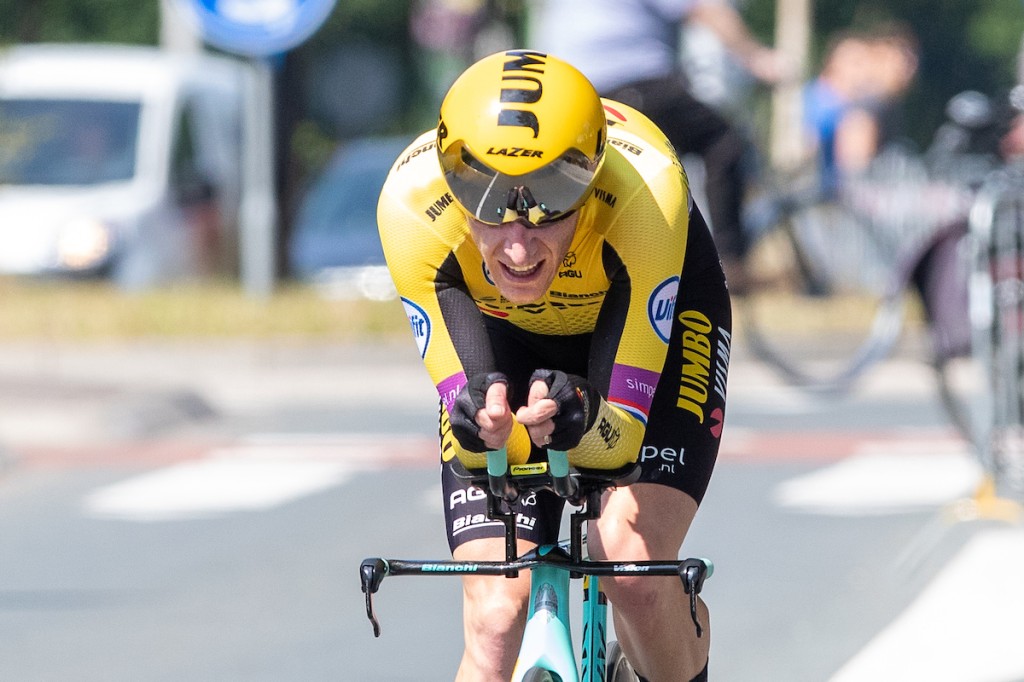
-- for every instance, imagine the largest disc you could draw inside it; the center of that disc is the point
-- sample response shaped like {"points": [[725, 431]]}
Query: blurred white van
{"points": [[119, 161]]}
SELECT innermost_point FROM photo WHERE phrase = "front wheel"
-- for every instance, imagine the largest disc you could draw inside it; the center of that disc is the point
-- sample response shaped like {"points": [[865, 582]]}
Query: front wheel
{"points": [[541, 675], [619, 669]]}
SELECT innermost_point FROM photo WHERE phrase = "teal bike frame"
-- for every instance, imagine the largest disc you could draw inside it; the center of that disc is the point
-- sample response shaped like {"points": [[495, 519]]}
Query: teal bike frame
{"points": [[547, 639]]}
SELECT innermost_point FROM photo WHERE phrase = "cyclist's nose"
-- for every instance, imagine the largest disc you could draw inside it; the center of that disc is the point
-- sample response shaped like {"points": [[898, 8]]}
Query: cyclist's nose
{"points": [[518, 243]]}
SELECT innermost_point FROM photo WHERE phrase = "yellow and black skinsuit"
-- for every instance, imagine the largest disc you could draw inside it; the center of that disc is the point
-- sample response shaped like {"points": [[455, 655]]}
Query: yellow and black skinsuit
{"points": [[639, 308]]}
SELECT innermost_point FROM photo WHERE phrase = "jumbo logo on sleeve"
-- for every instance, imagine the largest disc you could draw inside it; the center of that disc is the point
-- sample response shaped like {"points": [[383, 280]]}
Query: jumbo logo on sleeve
{"points": [[661, 305], [419, 321]]}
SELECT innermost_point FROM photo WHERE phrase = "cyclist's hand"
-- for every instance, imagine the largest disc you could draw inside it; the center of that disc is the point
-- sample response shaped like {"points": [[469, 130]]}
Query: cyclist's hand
{"points": [[481, 417], [576, 404], [537, 415], [495, 420]]}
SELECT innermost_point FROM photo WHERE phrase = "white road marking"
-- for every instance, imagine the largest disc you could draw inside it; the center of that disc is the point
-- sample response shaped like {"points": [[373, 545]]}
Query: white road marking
{"points": [[264, 472], [965, 627], [218, 484], [885, 478]]}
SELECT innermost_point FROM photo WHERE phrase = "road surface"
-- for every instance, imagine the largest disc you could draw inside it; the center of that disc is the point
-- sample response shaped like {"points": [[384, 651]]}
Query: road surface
{"points": [[198, 511]]}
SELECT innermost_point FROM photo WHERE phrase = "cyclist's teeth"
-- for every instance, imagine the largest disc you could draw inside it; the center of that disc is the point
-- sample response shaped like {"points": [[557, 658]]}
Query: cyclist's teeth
{"points": [[523, 271]]}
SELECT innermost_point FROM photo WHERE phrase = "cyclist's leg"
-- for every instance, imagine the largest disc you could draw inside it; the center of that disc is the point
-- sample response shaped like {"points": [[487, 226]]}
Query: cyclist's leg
{"points": [[650, 519], [493, 614], [704, 131]]}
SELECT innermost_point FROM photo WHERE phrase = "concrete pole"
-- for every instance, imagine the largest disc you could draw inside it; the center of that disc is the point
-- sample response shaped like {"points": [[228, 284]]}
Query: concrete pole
{"points": [[793, 22], [259, 201], [177, 33]]}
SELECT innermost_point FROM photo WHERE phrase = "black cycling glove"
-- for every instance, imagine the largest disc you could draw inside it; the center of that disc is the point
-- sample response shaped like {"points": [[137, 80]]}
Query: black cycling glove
{"points": [[472, 399], [578, 403]]}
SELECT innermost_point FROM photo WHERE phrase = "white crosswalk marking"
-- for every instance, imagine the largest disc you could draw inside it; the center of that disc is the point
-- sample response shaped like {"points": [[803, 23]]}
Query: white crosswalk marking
{"points": [[224, 482], [264, 472], [886, 478], [965, 627]]}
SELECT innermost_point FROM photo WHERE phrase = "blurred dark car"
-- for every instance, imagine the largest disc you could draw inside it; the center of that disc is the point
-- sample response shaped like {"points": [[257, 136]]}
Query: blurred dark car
{"points": [[334, 243]]}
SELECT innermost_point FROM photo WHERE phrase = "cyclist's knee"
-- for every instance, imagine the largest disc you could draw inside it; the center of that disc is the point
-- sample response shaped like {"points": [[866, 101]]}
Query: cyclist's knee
{"points": [[637, 594], [642, 522], [619, 542], [495, 607]]}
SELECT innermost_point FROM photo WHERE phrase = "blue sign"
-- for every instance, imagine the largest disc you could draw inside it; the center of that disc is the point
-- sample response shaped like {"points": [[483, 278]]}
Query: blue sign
{"points": [[257, 28]]}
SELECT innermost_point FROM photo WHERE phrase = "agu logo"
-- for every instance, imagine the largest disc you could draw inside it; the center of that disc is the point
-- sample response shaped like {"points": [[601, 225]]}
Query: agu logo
{"points": [[420, 324], [660, 306]]}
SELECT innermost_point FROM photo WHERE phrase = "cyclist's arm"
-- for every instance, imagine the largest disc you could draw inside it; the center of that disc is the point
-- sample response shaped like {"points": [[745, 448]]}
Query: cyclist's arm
{"points": [[643, 257], [419, 247]]}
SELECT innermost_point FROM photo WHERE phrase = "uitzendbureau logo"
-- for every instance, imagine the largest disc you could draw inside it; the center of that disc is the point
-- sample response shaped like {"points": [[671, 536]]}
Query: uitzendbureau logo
{"points": [[661, 305], [419, 321]]}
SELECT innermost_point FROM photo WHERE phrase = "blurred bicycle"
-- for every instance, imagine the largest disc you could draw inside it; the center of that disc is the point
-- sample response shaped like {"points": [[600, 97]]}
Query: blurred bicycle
{"points": [[836, 272], [841, 267], [935, 236]]}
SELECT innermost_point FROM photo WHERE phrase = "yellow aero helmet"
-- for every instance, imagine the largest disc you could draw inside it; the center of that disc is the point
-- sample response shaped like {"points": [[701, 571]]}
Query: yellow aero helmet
{"points": [[521, 134]]}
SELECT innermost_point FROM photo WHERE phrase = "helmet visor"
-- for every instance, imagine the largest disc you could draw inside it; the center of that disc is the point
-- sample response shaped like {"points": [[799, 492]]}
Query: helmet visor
{"points": [[544, 195]]}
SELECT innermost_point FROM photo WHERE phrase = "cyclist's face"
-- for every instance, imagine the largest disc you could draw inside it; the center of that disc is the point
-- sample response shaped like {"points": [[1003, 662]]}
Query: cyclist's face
{"points": [[523, 258]]}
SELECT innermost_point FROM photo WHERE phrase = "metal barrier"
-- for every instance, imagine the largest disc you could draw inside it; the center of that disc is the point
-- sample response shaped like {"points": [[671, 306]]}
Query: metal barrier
{"points": [[997, 318]]}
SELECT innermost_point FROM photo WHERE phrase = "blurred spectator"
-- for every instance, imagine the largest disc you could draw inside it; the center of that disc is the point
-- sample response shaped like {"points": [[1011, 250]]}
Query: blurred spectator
{"points": [[445, 30], [851, 110], [452, 34], [629, 49], [829, 97]]}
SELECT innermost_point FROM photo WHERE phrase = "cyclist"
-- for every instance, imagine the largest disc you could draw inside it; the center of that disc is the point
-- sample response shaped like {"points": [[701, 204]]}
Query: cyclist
{"points": [[563, 292]]}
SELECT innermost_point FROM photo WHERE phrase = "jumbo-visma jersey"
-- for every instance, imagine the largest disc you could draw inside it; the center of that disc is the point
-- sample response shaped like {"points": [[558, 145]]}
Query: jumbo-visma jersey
{"points": [[626, 257]]}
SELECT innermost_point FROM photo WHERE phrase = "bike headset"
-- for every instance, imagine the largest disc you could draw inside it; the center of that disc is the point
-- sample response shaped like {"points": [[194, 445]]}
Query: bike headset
{"points": [[521, 135]]}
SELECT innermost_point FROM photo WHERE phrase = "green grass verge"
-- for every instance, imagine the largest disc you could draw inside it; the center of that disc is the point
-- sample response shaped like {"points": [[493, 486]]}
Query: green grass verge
{"points": [[89, 310]]}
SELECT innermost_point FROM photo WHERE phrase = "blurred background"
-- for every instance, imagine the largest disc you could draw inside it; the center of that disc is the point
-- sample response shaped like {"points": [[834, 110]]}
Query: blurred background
{"points": [[380, 69], [210, 409]]}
